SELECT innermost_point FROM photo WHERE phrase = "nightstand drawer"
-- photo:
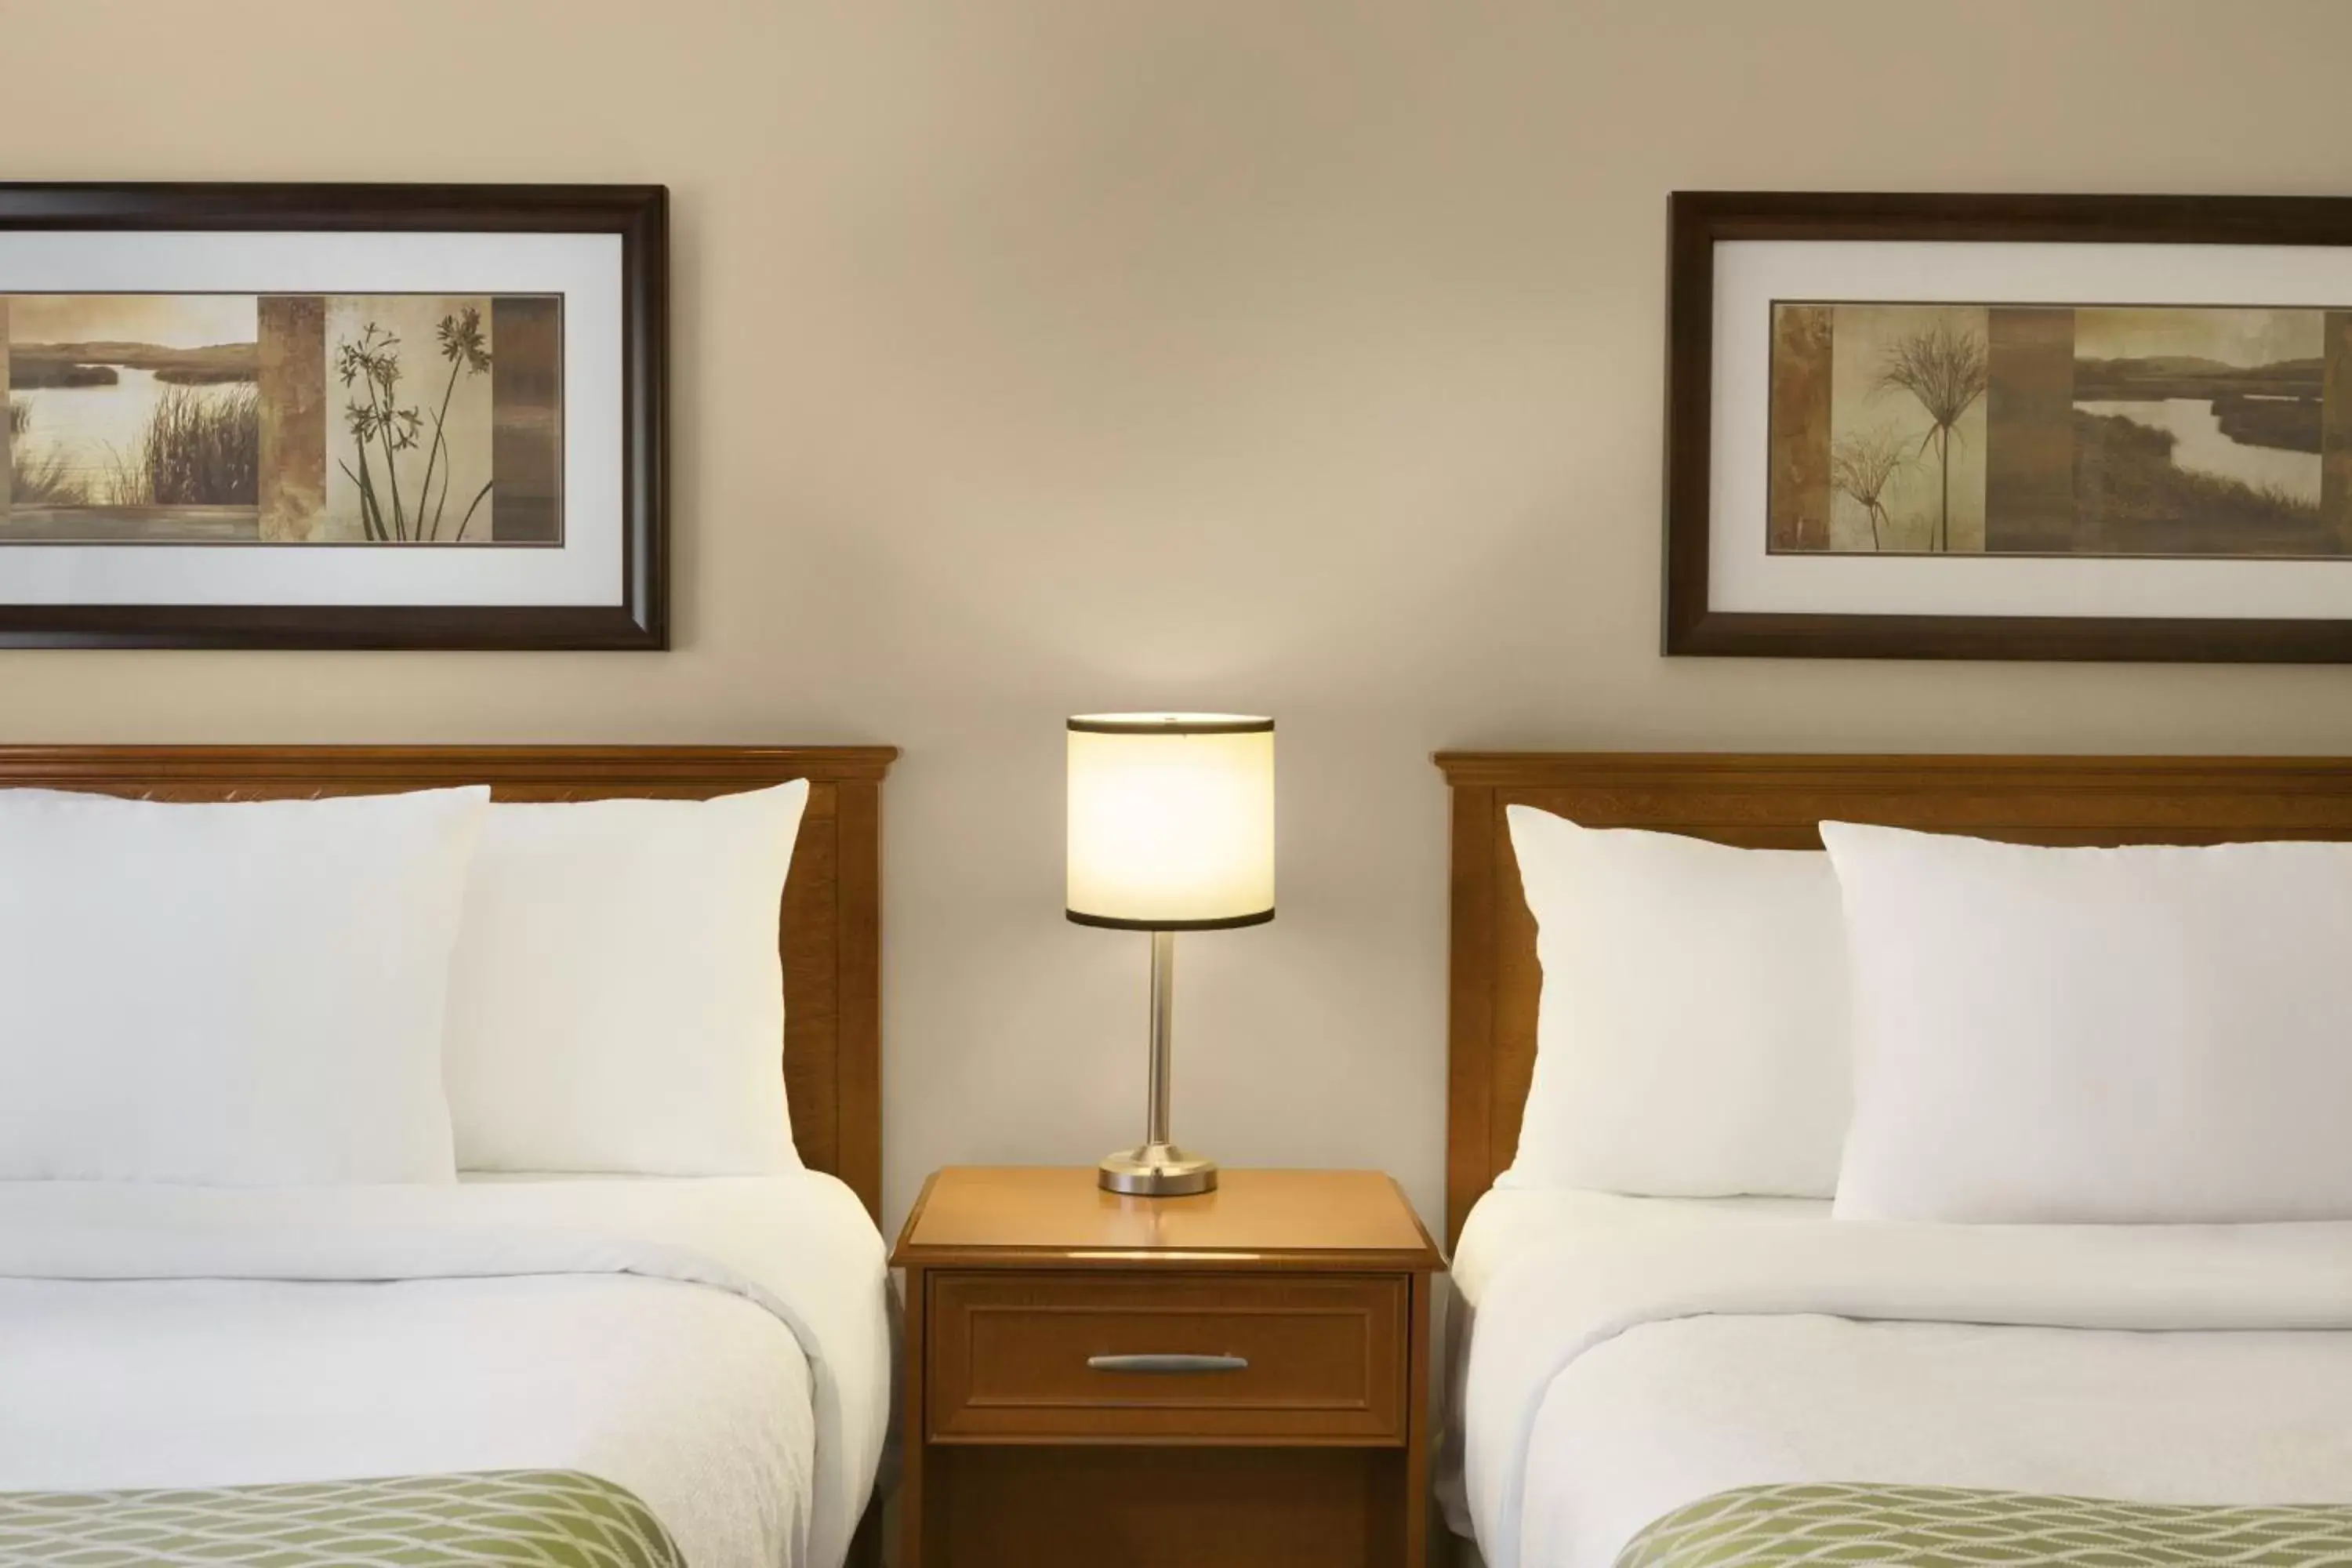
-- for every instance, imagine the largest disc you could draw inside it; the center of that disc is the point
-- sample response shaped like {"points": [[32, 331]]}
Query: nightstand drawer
{"points": [[1172, 1357]]}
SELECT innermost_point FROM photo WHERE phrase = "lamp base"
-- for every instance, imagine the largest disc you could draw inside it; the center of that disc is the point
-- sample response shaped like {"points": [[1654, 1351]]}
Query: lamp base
{"points": [[1157, 1171]]}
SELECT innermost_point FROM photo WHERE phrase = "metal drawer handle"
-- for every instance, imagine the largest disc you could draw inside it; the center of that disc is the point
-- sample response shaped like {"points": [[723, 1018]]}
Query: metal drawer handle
{"points": [[1168, 1362]]}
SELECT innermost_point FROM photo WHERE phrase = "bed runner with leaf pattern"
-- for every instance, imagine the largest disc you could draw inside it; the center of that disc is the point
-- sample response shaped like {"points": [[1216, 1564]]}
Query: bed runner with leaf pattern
{"points": [[540, 1517], [1854, 1526]]}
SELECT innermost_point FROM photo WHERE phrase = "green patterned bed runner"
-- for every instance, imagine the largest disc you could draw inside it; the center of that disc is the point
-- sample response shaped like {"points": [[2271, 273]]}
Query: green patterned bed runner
{"points": [[552, 1517], [1953, 1527]]}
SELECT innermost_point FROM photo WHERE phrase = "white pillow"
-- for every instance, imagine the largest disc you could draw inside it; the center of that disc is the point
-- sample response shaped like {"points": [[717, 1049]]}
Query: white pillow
{"points": [[227, 994], [1692, 1036], [617, 1003], [2134, 1035]]}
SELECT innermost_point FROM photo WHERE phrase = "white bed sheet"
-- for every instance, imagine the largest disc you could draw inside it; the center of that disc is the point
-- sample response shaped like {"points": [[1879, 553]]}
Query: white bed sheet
{"points": [[1625, 1356], [720, 1347]]}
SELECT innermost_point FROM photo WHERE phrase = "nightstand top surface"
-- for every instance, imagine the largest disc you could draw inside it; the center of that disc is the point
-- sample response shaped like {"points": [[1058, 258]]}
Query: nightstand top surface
{"points": [[1019, 1213]]}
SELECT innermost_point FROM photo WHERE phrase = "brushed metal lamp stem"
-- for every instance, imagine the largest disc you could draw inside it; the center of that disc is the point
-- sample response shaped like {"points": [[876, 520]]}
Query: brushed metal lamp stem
{"points": [[1158, 1169]]}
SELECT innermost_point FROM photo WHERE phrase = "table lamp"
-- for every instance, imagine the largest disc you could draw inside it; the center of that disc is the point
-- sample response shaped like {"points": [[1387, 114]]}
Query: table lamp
{"points": [[1171, 829]]}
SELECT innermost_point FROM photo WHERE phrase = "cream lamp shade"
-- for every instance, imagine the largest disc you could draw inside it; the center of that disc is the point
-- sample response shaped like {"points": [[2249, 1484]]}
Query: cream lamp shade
{"points": [[1171, 821]]}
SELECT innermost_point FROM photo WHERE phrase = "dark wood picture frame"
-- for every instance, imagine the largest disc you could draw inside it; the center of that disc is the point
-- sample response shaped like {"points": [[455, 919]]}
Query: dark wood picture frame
{"points": [[638, 214], [1698, 220]]}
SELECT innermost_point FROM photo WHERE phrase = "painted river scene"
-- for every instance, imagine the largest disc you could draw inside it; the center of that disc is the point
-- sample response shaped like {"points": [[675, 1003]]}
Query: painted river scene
{"points": [[404, 419], [2210, 431]]}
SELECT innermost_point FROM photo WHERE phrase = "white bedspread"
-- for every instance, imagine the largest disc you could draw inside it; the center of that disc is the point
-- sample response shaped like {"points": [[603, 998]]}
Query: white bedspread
{"points": [[720, 1347], [1627, 1356]]}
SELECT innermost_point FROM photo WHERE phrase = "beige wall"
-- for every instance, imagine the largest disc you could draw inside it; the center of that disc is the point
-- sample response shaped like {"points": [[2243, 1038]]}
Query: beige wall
{"points": [[1293, 355]]}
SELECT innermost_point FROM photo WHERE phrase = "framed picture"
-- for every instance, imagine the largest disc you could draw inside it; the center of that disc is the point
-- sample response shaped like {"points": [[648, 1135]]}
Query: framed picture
{"points": [[1979, 427], [333, 416]]}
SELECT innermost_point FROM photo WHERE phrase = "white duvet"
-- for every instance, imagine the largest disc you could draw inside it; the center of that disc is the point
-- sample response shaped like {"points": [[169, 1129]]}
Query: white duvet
{"points": [[720, 1347], [1626, 1356]]}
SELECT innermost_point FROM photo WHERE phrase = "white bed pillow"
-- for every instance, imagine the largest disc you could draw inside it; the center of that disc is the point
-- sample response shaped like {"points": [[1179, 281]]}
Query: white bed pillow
{"points": [[618, 1002], [227, 994], [1692, 1036], [2133, 1034]]}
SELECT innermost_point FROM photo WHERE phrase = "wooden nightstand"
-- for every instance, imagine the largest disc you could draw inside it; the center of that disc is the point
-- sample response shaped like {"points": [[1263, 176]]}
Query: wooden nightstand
{"points": [[1215, 1382]]}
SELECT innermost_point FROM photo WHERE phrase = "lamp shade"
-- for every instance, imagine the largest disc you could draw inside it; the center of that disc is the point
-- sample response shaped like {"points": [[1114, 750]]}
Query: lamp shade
{"points": [[1171, 820]]}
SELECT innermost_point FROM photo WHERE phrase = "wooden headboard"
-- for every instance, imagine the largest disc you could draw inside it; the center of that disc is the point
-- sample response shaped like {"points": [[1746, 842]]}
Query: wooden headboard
{"points": [[1774, 802], [831, 925]]}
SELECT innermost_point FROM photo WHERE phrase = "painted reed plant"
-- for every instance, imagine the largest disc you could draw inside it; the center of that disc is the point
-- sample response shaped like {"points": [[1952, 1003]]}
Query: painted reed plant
{"points": [[199, 449], [380, 427]]}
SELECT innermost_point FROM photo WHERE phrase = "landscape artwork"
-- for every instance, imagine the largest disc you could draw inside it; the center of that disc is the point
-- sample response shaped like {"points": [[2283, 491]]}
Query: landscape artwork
{"points": [[2098, 431], [281, 420]]}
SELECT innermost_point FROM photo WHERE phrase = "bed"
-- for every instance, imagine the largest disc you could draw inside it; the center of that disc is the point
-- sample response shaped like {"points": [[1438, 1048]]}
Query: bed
{"points": [[1747, 1381], [629, 1370]]}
